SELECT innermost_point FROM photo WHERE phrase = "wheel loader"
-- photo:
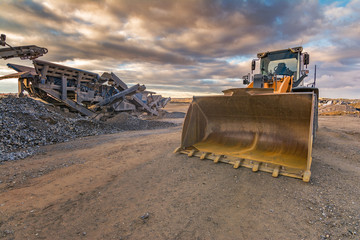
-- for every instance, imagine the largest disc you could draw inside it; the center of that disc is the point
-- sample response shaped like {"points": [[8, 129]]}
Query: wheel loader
{"points": [[268, 126]]}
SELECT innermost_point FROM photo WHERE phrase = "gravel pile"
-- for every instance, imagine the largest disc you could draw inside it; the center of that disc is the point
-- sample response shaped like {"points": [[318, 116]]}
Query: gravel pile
{"points": [[337, 109], [174, 115], [26, 124], [330, 107]]}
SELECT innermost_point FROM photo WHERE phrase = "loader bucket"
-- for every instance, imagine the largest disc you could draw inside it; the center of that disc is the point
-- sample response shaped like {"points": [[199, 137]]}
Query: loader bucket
{"points": [[263, 131]]}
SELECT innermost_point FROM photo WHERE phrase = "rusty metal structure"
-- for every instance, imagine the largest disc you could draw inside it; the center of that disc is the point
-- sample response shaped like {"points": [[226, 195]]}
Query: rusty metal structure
{"points": [[23, 52], [78, 90]]}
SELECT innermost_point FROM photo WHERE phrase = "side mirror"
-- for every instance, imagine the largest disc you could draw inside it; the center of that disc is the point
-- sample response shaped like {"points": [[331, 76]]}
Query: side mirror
{"points": [[253, 65], [2, 39], [246, 80], [306, 58]]}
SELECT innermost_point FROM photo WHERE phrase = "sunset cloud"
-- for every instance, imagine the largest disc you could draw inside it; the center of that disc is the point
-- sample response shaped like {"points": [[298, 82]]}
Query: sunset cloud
{"points": [[189, 46]]}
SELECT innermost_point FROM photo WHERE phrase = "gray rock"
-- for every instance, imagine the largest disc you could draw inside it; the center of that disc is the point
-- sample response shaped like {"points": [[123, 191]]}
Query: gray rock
{"points": [[27, 124]]}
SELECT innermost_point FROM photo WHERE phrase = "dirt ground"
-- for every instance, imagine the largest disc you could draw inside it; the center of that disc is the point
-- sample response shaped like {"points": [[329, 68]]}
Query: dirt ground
{"points": [[130, 185]]}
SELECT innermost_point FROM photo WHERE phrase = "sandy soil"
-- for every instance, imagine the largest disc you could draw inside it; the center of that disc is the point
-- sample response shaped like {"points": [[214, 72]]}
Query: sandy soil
{"points": [[130, 185]]}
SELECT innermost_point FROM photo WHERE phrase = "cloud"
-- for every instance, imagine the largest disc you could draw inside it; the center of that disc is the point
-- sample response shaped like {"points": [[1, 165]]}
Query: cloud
{"points": [[190, 43]]}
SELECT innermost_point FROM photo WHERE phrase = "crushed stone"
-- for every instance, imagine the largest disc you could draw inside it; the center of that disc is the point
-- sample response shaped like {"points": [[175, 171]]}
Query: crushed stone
{"points": [[26, 124]]}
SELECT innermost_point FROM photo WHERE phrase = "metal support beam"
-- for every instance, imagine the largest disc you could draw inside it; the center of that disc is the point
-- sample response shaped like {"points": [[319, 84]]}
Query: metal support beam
{"points": [[68, 102], [135, 100], [119, 82], [43, 74], [119, 96], [20, 88], [63, 88], [77, 96]]}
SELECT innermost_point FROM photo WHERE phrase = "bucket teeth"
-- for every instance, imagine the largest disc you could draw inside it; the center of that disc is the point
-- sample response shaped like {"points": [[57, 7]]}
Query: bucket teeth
{"points": [[191, 153], [177, 150], [256, 166], [203, 155], [217, 159], [237, 164], [276, 171], [306, 176]]}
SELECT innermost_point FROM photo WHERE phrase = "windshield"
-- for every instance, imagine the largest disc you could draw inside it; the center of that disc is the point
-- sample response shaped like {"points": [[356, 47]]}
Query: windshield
{"points": [[284, 63]]}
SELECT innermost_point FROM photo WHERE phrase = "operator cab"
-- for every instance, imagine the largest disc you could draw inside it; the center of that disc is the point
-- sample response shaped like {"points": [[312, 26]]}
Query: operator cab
{"points": [[282, 62], [276, 65]]}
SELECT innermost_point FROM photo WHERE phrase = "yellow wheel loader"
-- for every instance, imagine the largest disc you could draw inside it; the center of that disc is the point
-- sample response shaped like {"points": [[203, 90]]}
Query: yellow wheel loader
{"points": [[268, 126]]}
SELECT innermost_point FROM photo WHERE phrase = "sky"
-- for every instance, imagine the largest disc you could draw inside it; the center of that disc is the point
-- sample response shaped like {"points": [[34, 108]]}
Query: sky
{"points": [[188, 47]]}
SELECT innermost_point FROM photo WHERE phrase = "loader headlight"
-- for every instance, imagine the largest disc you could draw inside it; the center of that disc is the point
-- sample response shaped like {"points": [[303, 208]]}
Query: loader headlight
{"points": [[261, 55], [296, 49]]}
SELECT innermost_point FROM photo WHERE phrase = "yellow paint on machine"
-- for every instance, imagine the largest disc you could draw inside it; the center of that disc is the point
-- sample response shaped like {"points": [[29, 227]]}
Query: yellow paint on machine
{"points": [[254, 128]]}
